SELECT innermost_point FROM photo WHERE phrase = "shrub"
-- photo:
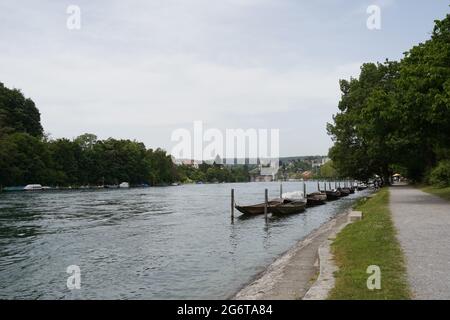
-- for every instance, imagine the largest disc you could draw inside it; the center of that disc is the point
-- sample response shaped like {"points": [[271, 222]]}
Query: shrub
{"points": [[440, 175]]}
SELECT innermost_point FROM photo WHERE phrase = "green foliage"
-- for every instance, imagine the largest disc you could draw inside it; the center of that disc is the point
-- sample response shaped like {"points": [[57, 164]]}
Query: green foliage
{"points": [[440, 175], [396, 114], [444, 193], [328, 171], [361, 146], [18, 114], [162, 170], [25, 159], [213, 173]]}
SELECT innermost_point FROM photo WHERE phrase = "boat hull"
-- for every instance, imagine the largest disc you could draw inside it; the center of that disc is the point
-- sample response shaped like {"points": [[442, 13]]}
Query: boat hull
{"points": [[344, 192], [288, 208], [332, 195], [257, 209], [315, 199]]}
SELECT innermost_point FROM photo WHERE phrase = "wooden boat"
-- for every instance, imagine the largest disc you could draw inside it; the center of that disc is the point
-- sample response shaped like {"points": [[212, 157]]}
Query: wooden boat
{"points": [[361, 187], [288, 208], [258, 208], [315, 199], [344, 191], [332, 194]]}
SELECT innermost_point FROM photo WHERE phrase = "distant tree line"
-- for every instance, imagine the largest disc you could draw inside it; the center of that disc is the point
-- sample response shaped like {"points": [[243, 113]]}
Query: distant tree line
{"points": [[28, 156], [213, 173], [396, 116]]}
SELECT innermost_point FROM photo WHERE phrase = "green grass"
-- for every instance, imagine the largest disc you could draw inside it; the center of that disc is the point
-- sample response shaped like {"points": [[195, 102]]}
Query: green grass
{"points": [[371, 241], [440, 192]]}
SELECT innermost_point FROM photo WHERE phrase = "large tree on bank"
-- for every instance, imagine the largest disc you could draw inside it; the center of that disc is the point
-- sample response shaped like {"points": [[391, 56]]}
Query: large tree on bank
{"points": [[396, 115]]}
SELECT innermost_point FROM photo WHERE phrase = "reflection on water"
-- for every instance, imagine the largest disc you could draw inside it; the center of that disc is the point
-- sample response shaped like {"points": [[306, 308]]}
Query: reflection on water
{"points": [[167, 243]]}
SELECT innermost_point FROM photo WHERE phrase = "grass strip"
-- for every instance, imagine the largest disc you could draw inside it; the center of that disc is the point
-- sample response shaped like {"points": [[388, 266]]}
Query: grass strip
{"points": [[370, 241], [440, 192]]}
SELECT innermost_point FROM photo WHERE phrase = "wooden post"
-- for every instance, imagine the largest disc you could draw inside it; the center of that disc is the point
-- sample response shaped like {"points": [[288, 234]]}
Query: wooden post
{"points": [[232, 204], [281, 190], [304, 190], [318, 186], [329, 184], [325, 185], [266, 200]]}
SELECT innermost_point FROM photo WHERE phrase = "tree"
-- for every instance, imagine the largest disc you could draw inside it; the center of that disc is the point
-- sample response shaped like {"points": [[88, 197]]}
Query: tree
{"points": [[66, 156], [328, 171], [25, 160], [361, 130], [18, 114], [396, 114]]}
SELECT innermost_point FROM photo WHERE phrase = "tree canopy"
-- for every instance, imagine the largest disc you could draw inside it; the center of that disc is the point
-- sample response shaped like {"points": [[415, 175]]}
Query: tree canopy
{"points": [[18, 114], [396, 115]]}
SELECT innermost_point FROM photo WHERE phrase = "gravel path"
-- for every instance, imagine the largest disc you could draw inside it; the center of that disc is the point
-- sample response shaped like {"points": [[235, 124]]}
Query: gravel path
{"points": [[423, 224]]}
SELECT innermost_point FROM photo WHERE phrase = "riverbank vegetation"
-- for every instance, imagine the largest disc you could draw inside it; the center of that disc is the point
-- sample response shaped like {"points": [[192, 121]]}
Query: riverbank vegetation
{"points": [[370, 241], [395, 117], [440, 192], [28, 156]]}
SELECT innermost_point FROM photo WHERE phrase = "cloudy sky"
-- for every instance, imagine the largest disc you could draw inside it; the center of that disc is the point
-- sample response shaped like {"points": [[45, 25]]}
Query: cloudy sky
{"points": [[141, 69]]}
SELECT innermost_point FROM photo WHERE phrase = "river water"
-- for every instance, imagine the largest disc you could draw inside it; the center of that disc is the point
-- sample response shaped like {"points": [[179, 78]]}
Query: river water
{"points": [[154, 243]]}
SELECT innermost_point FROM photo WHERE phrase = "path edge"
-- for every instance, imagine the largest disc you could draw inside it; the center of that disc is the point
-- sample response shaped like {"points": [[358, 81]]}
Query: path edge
{"points": [[325, 282]]}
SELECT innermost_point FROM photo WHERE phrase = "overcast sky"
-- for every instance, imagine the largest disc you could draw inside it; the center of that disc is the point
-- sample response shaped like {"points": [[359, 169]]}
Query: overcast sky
{"points": [[141, 69]]}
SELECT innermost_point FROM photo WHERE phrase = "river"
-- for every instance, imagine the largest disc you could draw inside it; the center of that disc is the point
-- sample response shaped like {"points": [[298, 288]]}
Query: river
{"points": [[153, 243]]}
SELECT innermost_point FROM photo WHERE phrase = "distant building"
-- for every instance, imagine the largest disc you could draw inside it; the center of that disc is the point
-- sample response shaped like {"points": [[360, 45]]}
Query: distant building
{"points": [[186, 162], [317, 163], [307, 175], [265, 172], [218, 160]]}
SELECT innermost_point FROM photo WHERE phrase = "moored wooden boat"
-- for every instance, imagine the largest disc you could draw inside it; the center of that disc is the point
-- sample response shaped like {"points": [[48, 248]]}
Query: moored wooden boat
{"points": [[258, 208], [361, 187], [344, 191], [316, 198], [288, 208], [332, 194]]}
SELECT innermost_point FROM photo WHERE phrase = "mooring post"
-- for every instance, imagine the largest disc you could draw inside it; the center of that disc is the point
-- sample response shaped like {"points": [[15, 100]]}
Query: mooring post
{"points": [[329, 184], [281, 190], [266, 202], [318, 186], [304, 190], [325, 186], [232, 204]]}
